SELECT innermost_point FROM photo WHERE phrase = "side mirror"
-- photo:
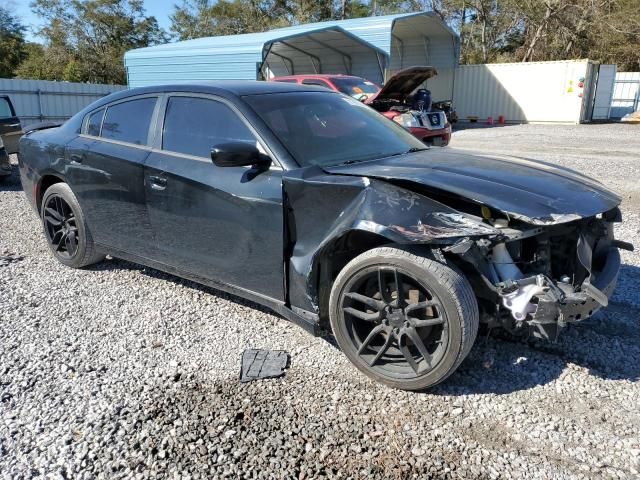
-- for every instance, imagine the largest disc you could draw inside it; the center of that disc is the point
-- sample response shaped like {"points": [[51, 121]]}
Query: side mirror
{"points": [[238, 154]]}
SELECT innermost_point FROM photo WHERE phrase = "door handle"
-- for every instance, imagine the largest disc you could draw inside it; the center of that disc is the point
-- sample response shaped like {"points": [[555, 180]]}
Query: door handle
{"points": [[76, 158], [158, 183]]}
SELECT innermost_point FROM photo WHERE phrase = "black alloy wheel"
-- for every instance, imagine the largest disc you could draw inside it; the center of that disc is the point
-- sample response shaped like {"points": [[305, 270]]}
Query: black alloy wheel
{"points": [[60, 226], [65, 228], [396, 322], [402, 318]]}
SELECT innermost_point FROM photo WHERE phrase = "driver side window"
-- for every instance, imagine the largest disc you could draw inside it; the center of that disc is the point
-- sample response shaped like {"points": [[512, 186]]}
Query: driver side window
{"points": [[193, 126]]}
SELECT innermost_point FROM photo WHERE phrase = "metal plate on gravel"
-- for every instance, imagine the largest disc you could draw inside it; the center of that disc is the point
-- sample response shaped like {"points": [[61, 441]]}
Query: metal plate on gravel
{"points": [[258, 364]]}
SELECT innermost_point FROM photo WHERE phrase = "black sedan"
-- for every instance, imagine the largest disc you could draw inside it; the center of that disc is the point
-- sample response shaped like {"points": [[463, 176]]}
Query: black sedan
{"points": [[313, 204], [5, 164]]}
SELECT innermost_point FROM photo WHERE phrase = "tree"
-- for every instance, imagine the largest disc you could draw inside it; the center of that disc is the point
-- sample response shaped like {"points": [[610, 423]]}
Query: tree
{"points": [[490, 30], [536, 30], [48, 62], [12, 43], [87, 39], [617, 36], [203, 18]]}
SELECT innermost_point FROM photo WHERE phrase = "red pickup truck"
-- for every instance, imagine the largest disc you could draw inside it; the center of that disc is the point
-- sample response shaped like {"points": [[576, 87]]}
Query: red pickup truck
{"points": [[395, 100]]}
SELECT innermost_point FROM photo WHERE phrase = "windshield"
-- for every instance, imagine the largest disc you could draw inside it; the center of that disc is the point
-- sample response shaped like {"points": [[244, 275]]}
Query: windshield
{"points": [[355, 86], [325, 129]]}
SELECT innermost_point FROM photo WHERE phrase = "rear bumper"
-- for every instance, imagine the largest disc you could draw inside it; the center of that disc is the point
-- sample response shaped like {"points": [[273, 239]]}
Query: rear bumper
{"points": [[439, 138]]}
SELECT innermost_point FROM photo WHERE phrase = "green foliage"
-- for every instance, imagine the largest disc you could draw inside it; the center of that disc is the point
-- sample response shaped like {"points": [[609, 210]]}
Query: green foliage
{"points": [[537, 30], [12, 43], [86, 40], [41, 64], [201, 18]]}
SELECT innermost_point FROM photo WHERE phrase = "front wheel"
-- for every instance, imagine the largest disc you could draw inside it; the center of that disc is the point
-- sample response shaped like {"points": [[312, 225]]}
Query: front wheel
{"points": [[64, 226], [403, 319]]}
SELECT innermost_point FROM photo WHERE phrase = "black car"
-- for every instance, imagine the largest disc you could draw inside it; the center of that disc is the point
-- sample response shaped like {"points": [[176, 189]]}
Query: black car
{"points": [[10, 131], [5, 164], [315, 205], [10, 127]]}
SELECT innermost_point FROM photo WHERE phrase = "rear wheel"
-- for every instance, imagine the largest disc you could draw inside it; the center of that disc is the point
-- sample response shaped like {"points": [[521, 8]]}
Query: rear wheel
{"points": [[65, 228], [404, 320]]}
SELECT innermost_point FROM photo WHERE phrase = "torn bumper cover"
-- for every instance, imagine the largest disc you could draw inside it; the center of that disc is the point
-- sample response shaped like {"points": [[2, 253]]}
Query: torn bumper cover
{"points": [[551, 307]]}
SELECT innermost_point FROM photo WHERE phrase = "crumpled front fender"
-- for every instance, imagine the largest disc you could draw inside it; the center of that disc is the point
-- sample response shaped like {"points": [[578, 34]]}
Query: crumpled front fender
{"points": [[323, 207]]}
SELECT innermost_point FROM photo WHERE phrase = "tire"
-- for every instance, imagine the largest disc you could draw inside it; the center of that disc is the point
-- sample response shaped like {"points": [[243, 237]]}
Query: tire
{"points": [[60, 197], [445, 332]]}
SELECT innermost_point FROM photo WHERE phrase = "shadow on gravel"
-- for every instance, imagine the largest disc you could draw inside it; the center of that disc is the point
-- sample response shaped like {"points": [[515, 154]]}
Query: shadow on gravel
{"points": [[12, 182], [118, 264], [481, 124], [608, 344]]}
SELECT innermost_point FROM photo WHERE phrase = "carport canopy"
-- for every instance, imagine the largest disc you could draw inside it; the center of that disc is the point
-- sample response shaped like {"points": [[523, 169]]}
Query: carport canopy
{"points": [[327, 50], [303, 50], [407, 39]]}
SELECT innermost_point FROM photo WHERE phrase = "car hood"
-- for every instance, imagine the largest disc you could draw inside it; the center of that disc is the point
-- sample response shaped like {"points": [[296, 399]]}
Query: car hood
{"points": [[528, 190], [403, 83]]}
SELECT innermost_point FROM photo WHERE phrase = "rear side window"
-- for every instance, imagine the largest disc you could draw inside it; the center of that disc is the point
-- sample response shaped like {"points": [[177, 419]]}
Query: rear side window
{"points": [[5, 108], [94, 122], [194, 125], [129, 121]]}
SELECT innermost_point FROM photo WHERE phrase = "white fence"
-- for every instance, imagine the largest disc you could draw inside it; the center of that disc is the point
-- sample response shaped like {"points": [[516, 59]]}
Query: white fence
{"points": [[626, 94], [39, 100]]}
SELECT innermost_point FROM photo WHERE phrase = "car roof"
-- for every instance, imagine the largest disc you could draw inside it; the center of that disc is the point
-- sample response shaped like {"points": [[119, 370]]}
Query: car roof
{"points": [[224, 88]]}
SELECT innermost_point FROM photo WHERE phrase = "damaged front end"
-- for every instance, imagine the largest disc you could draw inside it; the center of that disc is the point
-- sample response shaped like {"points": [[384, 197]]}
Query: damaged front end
{"points": [[550, 257], [537, 279], [533, 266]]}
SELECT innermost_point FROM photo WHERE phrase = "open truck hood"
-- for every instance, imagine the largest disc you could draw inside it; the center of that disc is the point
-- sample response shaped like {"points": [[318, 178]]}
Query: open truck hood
{"points": [[403, 84], [528, 190]]}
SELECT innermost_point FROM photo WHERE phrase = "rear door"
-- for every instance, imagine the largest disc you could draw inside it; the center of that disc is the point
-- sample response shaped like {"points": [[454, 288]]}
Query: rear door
{"points": [[221, 223], [10, 129], [106, 172]]}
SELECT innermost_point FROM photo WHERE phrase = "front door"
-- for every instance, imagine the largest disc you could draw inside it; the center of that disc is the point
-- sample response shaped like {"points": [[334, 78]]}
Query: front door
{"points": [[221, 223], [105, 169], [10, 129]]}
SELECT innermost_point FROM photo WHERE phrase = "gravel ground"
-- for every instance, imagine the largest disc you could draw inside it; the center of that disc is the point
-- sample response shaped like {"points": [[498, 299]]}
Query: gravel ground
{"points": [[119, 371]]}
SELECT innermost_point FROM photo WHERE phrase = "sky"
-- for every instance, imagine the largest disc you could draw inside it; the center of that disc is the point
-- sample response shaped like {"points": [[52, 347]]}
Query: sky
{"points": [[161, 9]]}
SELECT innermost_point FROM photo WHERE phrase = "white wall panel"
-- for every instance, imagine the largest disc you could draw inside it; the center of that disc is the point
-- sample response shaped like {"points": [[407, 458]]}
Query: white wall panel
{"points": [[522, 92]]}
